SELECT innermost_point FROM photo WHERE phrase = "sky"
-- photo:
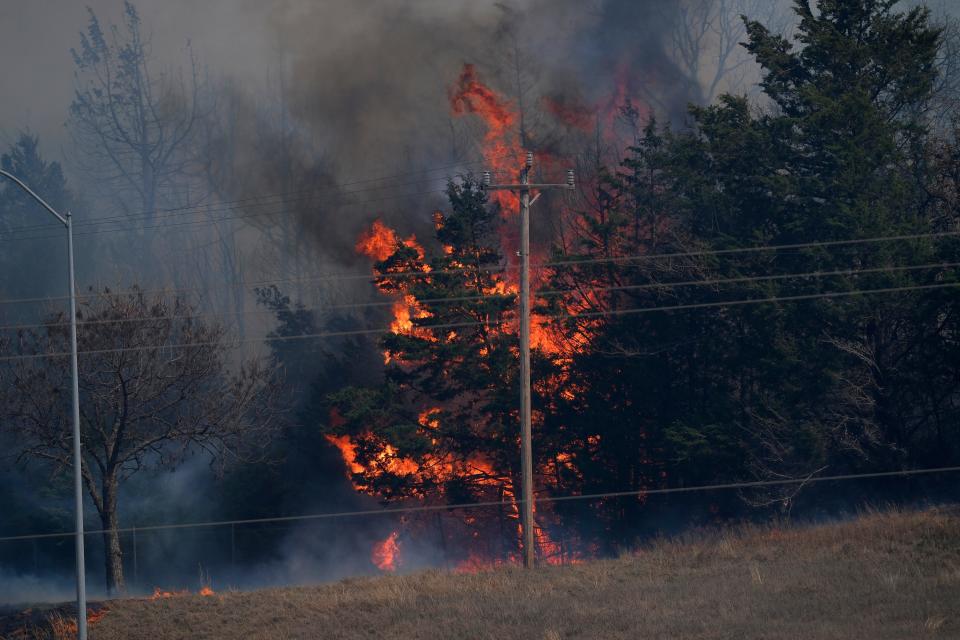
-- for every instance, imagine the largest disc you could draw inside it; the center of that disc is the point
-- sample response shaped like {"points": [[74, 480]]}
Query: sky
{"points": [[345, 45], [231, 36], [247, 40]]}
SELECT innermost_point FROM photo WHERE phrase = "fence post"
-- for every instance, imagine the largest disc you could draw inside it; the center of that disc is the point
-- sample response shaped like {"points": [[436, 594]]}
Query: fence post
{"points": [[136, 569]]}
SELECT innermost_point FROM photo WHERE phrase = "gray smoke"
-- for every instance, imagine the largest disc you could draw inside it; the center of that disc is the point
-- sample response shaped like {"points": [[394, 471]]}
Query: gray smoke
{"points": [[316, 97], [365, 88], [311, 94]]}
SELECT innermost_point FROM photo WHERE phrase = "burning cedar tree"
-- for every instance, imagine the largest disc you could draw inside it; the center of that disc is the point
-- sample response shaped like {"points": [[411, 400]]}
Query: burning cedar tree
{"points": [[443, 426]]}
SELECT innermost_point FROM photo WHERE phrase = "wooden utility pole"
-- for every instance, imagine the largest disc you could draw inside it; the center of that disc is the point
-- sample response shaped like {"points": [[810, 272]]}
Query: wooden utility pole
{"points": [[526, 445]]}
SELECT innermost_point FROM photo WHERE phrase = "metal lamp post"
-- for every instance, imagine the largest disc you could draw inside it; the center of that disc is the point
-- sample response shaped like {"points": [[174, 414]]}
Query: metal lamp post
{"points": [[67, 221]]}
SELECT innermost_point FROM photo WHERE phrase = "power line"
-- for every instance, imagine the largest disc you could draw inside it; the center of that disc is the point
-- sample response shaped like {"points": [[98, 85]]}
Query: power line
{"points": [[565, 316], [452, 299], [218, 208], [194, 224], [234, 343], [756, 248], [261, 199], [747, 279], [542, 265], [351, 305], [775, 299], [750, 485], [499, 503], [261, 283]]}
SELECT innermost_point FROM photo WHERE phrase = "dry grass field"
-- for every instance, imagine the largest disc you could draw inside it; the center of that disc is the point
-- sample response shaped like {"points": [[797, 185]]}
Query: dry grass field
{"points": [[884, 575]]}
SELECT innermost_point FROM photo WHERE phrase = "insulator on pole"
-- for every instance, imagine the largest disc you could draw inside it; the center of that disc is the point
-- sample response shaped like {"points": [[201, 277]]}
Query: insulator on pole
{"points": [[570, 178], [486, 178], [529, 159]]}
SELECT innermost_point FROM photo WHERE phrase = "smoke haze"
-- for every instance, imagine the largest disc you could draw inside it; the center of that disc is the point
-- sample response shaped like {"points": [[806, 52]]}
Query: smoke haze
{"points": [[366, 83], [304, 97]]}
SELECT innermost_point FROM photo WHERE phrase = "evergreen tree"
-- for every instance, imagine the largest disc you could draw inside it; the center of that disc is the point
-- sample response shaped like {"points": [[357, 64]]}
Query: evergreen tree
{"points": [[630, 396], [840, 154], [443, 425], [33, 241]]}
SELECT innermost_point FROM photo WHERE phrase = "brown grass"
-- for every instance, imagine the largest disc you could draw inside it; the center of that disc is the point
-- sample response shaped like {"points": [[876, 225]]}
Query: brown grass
{"points": [[885, 575]]}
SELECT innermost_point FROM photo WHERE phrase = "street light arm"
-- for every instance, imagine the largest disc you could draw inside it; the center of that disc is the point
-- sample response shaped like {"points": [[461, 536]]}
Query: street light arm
{"points": [[46, 206]]}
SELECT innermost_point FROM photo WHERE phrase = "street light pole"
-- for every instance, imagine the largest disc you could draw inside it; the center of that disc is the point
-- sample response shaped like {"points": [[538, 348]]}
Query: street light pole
{"points": [[67, 221], [526, 437]]}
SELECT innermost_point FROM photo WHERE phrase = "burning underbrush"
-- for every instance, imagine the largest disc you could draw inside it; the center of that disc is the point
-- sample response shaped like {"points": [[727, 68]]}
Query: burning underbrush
{"points": [[47, 623], [60, 623], [163, 594]]}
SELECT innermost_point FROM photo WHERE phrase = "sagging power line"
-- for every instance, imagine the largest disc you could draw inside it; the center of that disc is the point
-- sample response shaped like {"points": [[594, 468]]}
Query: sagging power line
{"points": [[265, 199], [536, 266], [471, 298], [458, 325], [753, 484]]}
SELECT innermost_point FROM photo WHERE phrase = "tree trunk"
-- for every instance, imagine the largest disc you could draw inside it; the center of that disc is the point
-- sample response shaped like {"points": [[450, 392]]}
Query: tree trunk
{"points": [[112, 554]]}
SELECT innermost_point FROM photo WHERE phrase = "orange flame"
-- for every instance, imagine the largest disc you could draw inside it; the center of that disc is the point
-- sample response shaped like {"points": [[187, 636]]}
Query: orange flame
{"points": [[404, 311], [161, 594], [379, 242], [429, 419], [387, 460], [386, 553], [475, 563], [67, 627], [348, 451], [501, 144], [502, 150], [569, 112], [470, 95]]}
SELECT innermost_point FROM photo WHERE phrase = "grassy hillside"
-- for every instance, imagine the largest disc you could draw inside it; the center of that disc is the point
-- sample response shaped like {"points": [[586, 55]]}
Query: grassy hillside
{"points": [[884, 575]]}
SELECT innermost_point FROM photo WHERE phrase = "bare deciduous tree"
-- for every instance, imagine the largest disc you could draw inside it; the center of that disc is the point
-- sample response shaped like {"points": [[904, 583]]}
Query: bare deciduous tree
{"points": [[946, 93], [706, 41], [155, 387], [132, 126]]}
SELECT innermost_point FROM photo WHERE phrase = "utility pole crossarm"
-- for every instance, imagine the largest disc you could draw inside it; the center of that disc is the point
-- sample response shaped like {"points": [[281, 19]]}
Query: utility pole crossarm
{"points": [[532, 185], [526, 437], [522, 185]]}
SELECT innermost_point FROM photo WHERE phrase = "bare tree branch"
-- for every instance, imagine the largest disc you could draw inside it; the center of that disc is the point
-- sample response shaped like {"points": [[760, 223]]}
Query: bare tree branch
{"points": [[147, 408]]}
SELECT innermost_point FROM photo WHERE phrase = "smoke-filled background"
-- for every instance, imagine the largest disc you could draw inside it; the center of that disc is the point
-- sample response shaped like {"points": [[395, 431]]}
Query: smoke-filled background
{"points": [[287, 101], [288, 127]]}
